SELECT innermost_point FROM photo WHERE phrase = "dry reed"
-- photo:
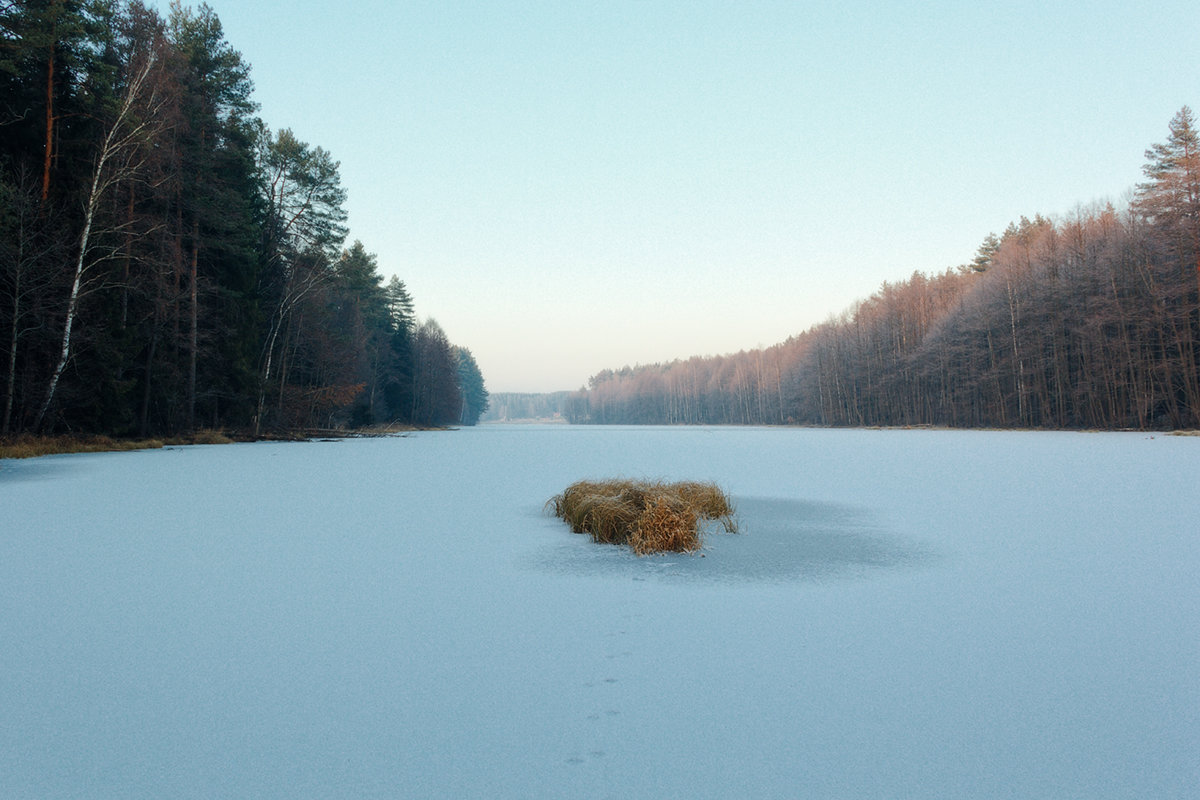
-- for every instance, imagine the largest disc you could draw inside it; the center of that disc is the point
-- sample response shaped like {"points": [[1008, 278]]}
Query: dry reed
{"points": [[649, 516], [30, 446]]}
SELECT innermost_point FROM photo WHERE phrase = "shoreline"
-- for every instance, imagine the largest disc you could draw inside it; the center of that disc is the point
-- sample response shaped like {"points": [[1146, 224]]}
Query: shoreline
{"points": [[26, 445]]}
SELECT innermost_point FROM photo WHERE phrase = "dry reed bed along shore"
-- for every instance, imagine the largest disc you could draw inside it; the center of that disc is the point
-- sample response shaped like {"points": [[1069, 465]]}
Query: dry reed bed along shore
{"points": [[648, 516], [30, 446]]}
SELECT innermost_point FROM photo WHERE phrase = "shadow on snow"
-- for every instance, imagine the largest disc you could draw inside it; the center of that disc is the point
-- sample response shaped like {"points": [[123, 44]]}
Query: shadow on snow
{"points": [[780, 541]]}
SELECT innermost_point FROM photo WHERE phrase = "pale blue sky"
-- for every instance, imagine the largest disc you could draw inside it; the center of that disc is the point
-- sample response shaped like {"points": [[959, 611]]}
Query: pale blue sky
{"points": [[569, 186]]}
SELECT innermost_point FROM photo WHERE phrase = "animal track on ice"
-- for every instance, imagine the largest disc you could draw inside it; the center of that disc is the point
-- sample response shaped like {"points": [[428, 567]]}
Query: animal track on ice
{"points": [[592, 684]]}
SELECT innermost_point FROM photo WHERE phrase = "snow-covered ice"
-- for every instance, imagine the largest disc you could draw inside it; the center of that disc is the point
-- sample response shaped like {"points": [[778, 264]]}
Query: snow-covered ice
{"points": [[906, 614]]}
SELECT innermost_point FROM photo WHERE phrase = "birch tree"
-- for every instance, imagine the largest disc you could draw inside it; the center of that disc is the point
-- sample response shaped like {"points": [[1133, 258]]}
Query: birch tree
{"points": [[304, 227], [120, 156]]}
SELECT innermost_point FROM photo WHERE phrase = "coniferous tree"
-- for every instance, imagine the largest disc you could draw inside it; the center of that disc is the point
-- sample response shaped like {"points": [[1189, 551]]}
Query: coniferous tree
{"points": [[1170, 198], [217, 213], [398, 356], [31, 244], [51, 50], [1169, 201], [436, 395], [471, 387], [132, 123], [362, 312]]}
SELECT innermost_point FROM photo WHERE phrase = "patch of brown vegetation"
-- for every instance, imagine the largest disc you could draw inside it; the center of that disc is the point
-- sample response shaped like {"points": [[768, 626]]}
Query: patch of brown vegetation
{"points": [[649, 516], [29, 446]]}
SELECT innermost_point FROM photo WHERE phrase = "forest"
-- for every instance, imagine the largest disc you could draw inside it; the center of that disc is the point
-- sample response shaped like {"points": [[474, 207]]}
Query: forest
{"points": [[1088, 321], [169, 263], [525, 406]]}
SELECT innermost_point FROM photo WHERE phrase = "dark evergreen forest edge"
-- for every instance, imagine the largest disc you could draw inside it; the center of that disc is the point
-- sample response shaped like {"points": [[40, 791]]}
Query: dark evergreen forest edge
{"points": [[1089, 321], [168, 263]]}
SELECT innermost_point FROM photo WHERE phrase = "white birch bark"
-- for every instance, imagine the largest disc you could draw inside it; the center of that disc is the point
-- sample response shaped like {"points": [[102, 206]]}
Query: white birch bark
{"points": [[121, 140]]}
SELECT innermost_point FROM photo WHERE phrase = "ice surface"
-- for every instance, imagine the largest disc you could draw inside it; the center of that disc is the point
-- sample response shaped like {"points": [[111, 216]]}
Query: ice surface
{"points": [[906, 614]]}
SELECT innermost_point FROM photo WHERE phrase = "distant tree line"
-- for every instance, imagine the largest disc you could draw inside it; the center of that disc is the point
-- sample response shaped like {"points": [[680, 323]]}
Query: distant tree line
{"points": [[168, 262], [526, 406], [1089, 321]]}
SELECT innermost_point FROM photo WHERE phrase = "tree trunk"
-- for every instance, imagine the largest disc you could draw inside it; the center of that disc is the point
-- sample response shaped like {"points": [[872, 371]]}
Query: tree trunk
{"points": [[144, 424], [1020, 374], [127, 268], [49, 151], [193, 336], [12, 354], [262, 384], [73, 298], [265, 378]]}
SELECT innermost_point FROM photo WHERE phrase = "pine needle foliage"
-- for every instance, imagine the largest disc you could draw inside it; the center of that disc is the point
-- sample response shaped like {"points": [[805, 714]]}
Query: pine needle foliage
{"points": [[648, 516]]}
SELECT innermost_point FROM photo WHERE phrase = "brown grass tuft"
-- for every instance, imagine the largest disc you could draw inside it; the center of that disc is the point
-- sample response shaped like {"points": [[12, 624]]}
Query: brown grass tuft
{"points": [[649, 516], [209, 436], [708, 500], [665, 526]]}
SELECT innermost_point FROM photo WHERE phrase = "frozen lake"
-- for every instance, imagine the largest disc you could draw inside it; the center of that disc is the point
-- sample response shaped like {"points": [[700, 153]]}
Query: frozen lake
{"points": [[918, 614]]}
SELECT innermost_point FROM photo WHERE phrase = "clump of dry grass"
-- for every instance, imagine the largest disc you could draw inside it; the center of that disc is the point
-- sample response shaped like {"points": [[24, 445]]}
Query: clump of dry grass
{"points": [[665, 526], [649, 516], [209, 436]]}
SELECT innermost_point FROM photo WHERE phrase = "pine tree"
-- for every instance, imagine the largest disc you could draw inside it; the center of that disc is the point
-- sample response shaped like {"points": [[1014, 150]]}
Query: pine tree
{"points": [[51, 48], [360, 310], [216, 214], [1170, 198], [437, 399], [397, 378], [984, 255], [471, 386], [120, 155], [399, 305]]}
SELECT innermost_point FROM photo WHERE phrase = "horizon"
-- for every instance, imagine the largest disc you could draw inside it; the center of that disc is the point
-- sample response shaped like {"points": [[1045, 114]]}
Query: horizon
{"points": [[572, 189]]}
